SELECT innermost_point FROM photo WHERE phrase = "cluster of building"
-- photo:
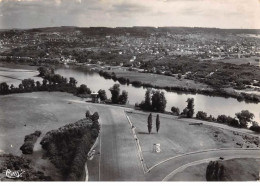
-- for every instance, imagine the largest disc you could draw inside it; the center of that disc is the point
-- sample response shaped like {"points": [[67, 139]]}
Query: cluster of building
{"points": [[64, 46]]}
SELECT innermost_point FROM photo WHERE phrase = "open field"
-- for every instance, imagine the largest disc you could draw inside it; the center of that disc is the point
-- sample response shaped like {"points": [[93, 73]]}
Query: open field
{"points": [[177, 137], [22, 114], [252, 60], [158, 80], [236, 170]]}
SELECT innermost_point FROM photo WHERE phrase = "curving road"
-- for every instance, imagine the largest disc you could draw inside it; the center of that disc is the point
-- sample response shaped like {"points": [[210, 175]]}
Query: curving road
{"points": [[117, 157], [165, 170]]}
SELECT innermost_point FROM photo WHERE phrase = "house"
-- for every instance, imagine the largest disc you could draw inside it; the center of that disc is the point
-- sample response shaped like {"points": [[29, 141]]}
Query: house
{"points": [[94, 97]]}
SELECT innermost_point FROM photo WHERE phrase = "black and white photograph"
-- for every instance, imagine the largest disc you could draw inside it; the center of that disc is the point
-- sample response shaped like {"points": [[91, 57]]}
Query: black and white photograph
{"points": [[129, 91]]}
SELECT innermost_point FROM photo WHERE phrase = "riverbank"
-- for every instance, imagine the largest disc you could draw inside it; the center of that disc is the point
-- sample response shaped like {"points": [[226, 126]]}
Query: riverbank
{"points": [[183, 85], [209, 104]]}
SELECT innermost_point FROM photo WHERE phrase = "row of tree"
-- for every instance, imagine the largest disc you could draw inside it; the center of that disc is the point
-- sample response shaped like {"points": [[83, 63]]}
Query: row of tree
{"points": [[150, 123], [154, 101], [242, 119], [116, 97], [50, 82]]}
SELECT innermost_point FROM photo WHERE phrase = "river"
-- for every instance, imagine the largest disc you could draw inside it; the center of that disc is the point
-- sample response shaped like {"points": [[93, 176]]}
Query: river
{"points": [[210, 104]]}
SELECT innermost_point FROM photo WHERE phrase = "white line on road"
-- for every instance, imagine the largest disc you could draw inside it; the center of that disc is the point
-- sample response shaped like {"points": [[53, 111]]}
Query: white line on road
{"points": [[139, 149], [183, 167], [196, 152]]}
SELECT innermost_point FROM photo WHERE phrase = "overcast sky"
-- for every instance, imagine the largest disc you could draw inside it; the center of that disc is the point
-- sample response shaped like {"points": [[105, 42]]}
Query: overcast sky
{"points": [[113, 13]]}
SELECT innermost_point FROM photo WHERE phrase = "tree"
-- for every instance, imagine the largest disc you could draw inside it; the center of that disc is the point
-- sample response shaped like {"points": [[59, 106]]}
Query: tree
{"points": [[44, 82], [255, 127], [179, 76], [222, 119], [123, 97], [73, 82], [83, 89], [12, 87], [215, 171], [175, 111], [115, 91], [87, 114], [44, 71], [150, 123], [158, 101], [190, 107], [38, 84], [244, 118], [201, 115], [20, 87], [157, 123], [4, 88], [95, 116], [228, 120], [147, 99], [28, 84], [102, 95]]}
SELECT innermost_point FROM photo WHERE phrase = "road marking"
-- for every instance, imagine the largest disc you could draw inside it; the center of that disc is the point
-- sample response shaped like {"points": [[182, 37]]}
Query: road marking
{"points": [[99, 168], [183, 167], [196, 152], [139, 149], [99, 155]]}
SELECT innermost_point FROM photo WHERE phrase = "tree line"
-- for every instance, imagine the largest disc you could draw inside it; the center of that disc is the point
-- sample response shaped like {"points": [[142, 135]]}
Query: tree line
{"points": [[156, 101], [50, 82], [215, 92]]}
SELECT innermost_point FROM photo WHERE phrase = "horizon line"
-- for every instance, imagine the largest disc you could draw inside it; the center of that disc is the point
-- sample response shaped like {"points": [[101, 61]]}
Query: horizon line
{"points": [[141, 26]]}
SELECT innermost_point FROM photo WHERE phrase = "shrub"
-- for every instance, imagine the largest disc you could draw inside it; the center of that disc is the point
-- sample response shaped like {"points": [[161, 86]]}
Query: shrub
{"points": [[68, 146], [228, 120], [215, 171], [87, 114], [83, 89], [115, 92], [189, 110], [222, 119], [201, 115], [95, 116], [175, 110], [123, 97], [122, 80], [29, 141], [244, 118], [255, 127], [102, 95], [137, 83], [158, 101]]}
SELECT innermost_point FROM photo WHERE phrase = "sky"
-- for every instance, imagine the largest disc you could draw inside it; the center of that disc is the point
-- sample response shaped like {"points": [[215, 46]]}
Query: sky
{"points": [[127, 13]]}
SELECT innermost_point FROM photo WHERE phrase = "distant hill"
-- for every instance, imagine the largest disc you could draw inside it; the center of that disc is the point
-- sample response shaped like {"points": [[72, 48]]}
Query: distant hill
{"points": [[139, 30]]}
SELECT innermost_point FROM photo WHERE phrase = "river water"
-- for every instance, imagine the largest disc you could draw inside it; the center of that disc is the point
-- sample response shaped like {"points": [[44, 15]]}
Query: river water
{"points": [[210, 104]]}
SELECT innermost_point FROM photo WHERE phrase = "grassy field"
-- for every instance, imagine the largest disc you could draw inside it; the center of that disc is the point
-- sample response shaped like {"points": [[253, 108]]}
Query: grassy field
{"points": [[158, 80], [178, 137], [252, 60], [22, 114], [236, 170]]}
